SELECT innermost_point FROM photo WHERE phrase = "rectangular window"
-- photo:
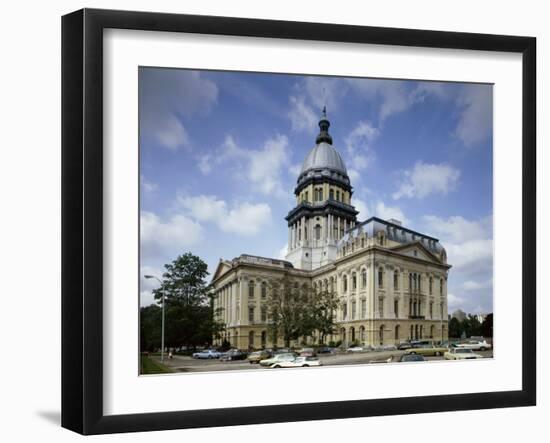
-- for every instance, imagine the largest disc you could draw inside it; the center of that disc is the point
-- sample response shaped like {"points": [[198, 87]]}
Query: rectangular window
{"points": [[396, 308], [441, 287], [363, 308], [395, 281], [264, 314], [431, 310], [380, 278], [251, 315], [264, 290], [364, 279], [251, 290], [345, 311], [381, 307], [353, 311]]}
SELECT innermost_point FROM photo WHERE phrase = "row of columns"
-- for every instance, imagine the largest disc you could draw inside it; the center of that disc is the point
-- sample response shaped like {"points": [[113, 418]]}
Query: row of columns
{"points": [[297, 231]]}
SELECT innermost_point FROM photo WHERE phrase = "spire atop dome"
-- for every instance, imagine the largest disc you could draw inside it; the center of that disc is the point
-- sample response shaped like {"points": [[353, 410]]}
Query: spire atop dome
{"points": [[324, 124]]}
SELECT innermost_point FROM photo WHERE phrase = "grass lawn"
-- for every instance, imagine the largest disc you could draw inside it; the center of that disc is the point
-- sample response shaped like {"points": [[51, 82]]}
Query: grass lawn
{"points": [[150, 366]]}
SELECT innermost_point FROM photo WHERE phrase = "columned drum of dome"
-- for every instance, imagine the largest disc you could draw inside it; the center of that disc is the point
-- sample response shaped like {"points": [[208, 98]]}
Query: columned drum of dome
{"points": [[323, 211]]}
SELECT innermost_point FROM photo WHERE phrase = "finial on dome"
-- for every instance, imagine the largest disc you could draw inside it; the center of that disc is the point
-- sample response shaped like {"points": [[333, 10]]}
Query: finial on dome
{"points": [[324, 124]]}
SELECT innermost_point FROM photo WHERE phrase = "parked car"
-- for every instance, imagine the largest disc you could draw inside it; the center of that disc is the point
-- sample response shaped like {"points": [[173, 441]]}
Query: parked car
{"points": [[307, 352], [282, 351], [325, 350], [474, 345], [411, 357], [383, 360], [298, 362], [427, 349], [233, 354], [278, 358], [460, 354], [355, 348], [257, 356], [404, 346], [207, 353]]}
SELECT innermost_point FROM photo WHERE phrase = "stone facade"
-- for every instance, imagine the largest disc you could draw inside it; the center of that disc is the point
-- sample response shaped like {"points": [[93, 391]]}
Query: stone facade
{"points": [[391, 281]]}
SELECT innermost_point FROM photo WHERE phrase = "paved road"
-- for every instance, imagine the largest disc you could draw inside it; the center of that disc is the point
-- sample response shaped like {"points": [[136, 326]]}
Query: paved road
{"points": [[188, 364]]}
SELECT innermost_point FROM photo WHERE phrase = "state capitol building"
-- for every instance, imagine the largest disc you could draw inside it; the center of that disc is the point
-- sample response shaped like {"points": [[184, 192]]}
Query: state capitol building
{"points": [[391, 281]]}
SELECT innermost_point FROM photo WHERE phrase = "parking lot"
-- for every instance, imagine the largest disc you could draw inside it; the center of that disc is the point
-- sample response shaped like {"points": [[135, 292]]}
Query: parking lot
{"points": [[188, 364]]}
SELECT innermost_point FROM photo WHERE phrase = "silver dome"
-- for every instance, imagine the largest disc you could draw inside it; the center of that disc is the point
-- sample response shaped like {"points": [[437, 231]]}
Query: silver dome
{"points": [[324, 156]]}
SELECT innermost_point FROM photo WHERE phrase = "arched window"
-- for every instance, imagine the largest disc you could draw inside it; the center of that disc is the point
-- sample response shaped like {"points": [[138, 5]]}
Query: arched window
{"points": [[338, 195], [362, 333], [251, 339], [395, 280], [397, 334], [354, 281], [305, 232], [345, 283], [364, 278], [317, 232], [264, 338], [331, 194], [251, 289]]}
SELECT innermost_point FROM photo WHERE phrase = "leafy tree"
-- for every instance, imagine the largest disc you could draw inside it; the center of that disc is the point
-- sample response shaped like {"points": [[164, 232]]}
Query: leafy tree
{"points": [[296, 311], [455, 327], [487, 326], [150, 325], [190, 319]]}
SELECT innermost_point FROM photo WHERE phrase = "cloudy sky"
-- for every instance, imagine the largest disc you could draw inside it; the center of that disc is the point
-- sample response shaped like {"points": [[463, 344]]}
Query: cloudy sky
{"points": [[220, 153]]}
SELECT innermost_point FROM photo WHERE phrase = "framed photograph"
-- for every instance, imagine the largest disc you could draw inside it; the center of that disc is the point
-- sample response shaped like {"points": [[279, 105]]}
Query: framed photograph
{"points": [[269, 221]]}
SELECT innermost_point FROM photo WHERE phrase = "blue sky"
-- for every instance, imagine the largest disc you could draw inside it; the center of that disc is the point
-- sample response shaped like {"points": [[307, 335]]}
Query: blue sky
{"points": [[220, 153]]}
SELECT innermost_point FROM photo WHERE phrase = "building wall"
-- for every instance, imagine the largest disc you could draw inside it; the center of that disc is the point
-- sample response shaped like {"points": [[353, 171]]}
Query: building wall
{"points": [[377, 323]]}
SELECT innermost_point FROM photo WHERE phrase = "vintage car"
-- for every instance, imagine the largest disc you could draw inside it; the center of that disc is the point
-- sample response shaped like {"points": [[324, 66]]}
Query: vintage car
{"points": [[355, 348], [411, 357], [307, 352], [298, 362], [460, 354], [427, 349], [232, 355], [278, 358], [207, 354], [257, 356], [474, 345]]}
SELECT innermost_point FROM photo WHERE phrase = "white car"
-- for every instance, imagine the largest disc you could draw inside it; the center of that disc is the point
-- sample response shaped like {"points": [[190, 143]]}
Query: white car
{"points": [[460, 354], [474, 345], [355, 349], [298, 362]]}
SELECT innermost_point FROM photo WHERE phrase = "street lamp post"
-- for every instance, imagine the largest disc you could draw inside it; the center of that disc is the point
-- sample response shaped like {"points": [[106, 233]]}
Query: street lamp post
{"points": [[162, 326]]}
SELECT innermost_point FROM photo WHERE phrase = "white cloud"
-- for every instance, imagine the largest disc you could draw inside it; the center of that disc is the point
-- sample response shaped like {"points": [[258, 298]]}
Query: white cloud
{"points": [[469, 243], [386, 212], [168, 95], [425, 179], [147, 185], [295, 170], [148, 285], [353, 175], [363, 209], [282, 252], [245, 219], [457, 229], [301, 115], [454, 302], [262, 167], [171, 133], [394, 95], [476, 118], [472, 285], [358, 144], [161, 238]]}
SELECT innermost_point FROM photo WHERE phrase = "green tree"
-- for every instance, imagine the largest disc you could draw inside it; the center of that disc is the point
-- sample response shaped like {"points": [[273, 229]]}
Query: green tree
{"points": [[487, 326], [150, 324], [190, 319], [296, 311], [455, 328]]}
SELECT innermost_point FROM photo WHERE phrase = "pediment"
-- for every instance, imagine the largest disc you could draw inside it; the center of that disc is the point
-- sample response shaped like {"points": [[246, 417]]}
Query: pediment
{"points": [[417, 250], [222, 268]]}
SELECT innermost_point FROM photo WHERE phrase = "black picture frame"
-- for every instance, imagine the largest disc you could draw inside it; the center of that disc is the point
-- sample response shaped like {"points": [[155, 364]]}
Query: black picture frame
{"points": [[82, 218]]}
